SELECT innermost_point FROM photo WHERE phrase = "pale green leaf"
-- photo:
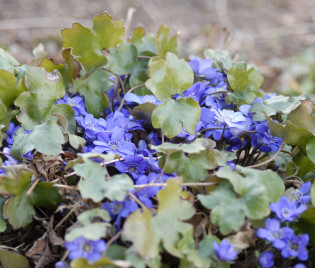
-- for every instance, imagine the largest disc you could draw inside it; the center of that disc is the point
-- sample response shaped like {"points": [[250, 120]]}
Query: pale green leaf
{"points": [[167, 226], [173, 115], [169, 77], [88, 44], [164, 44], [122, 60]]}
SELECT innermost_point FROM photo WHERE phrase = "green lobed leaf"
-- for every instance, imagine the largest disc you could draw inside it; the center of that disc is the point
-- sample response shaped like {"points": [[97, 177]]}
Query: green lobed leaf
{"points": [[220, 59], [169, 148], [245, 82], [9, 90], [164, 44], [87, 216], [46, 195], [243, 78], [274, 105], [227, 210], [228, 216], [10, 259], [310, 149], [313, 194], [7, 61], [69, 71], [145, 44], [173, 115], [94, 186], [19, 209], [303, 117], [169, 76], [3, 224], [92, 231], [93, 89], [123, 59], [268, 178], [167, 226], [290, 133], [37, 103], [88, 44]]}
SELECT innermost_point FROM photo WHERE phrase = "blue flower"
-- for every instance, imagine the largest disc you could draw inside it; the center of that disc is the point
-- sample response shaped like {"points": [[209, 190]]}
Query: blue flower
{"points": [[134, 165], [196, 91], [225, 251], [91, 125], [300, 196], [120, 210], [234, 120], [286, 210], [208, 117], [77, 103], [296, 247], [85, 248], [265, 259], [131, 97], [274, 233], [204, 69], [11, 133], [61, 264], [300, 265], [115, 143], [118, 119], [273, 142]]}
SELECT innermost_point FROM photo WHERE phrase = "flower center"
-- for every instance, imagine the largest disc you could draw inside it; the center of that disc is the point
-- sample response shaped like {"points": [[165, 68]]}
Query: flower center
{"points": [[114, 145], [285, 212]]}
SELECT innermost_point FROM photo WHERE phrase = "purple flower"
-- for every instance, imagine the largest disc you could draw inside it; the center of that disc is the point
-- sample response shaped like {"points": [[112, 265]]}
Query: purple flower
{"points": [[234, 120], [204, 69], [118, 119], [286, 210], [61, 264], [196, 91], [131, 97], [184, 134], [300, 196], [120, 210], [77, 103], [91, 125], [300, 265], [296, 247], [225, 251], [115, 143], [85, 248], [273, 142], [265, 259], [274, 233], [208, 117], [134, 165], [11, 133]]}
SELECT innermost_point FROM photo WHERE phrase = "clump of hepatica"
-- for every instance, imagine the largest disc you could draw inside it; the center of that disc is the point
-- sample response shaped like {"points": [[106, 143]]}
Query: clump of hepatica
{"points": [[284, 238], [233, 129]]}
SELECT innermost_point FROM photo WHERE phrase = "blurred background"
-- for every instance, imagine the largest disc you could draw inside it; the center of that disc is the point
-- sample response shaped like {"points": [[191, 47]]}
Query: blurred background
{"points": [[277, 36]]}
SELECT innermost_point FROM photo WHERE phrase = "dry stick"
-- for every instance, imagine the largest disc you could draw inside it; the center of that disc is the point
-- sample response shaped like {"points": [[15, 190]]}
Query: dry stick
{"points": [[112, 240], [30, 190], [65, 218], [269, 160], [108, 101], [114, 92], [130, 12], [129, 91], [137, 200], [201, 184]]}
